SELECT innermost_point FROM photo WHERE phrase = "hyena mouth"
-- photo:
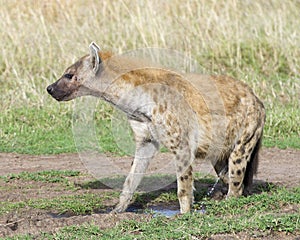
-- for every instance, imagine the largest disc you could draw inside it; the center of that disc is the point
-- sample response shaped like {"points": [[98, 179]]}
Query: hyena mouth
{"points": [[57, 95], [59, 98]]}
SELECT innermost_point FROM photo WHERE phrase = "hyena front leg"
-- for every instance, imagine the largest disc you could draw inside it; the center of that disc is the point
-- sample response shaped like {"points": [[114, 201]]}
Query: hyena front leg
{"points": [[145, 151], [185, 181]]}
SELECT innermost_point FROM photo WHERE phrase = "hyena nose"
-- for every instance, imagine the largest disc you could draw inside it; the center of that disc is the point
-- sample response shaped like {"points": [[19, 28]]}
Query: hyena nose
{"points": [[50, 89]]}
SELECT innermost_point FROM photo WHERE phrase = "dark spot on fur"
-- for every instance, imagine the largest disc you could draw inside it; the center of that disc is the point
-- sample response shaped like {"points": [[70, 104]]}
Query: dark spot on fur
{"points": [[179, 169], [181, 193], [239, 172], [165, 104], [168, 122], [242, 150], [147, 140], [232, 172], [238, 142], [181, 179], [246, 137], [186, 163], [238, 161], [186, 177], [236, 184]]}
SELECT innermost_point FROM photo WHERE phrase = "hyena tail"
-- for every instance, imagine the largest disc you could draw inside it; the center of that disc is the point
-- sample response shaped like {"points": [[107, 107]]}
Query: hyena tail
{"points": [[252, 168]]}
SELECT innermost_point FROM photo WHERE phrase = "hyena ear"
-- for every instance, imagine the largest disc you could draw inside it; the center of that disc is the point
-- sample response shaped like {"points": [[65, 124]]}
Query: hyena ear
{"points": [[94, 56]]}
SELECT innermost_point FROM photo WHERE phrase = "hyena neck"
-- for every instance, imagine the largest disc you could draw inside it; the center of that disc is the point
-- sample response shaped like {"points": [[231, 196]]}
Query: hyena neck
{"points": [[130, 100], [122, 85]]}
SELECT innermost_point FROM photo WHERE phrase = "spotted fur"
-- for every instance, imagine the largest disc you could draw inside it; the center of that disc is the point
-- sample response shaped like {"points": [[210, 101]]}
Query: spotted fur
{"points": [[194, 116]]}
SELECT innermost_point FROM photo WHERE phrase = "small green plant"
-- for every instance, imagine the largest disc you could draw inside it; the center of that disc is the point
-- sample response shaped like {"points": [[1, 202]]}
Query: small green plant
{"points": [[47, 176]]}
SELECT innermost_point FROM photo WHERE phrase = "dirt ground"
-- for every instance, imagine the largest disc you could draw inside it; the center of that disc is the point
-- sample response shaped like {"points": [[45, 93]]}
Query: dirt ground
{"points": [[280, 167]]}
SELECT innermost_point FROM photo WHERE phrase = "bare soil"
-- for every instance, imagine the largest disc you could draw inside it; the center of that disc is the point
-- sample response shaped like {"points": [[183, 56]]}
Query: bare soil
{"points": [[279, 167]]}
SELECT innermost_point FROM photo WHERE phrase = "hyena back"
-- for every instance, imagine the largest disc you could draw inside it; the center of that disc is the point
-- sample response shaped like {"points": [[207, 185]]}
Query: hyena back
{"points": [[194, 116]]}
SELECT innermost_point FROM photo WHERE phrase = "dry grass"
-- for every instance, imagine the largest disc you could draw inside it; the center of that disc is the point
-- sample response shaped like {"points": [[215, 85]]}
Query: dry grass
{"points": [[256, 41]]}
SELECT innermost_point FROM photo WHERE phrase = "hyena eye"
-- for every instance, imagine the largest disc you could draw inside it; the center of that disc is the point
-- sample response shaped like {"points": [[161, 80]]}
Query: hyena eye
{"points": [[68, 75]]}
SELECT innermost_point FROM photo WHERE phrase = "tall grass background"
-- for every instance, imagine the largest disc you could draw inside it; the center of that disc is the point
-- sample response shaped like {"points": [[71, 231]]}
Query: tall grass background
{"points": [[255, 41]]}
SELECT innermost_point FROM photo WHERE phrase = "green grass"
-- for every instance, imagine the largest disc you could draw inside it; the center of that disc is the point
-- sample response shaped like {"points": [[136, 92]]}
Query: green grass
{"points": [[256, 42], [275, 209], [282, 127], [254, 215], [47, 176], [49, 131], [72, 203], [36, 131], [75, 204]]}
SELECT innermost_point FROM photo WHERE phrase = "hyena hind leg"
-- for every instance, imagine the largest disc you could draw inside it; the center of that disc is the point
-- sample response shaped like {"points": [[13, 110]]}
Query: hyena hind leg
{"points": [[251, 168], [242, 165]]}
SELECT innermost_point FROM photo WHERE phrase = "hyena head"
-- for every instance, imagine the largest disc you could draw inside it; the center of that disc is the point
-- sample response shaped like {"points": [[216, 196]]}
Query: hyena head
{"points": [[78, 77]]}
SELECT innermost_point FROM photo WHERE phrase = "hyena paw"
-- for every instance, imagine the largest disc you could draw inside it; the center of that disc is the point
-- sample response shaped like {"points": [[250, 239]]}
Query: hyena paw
{"points": [[119, 208], [124, 201], [234, 194]]}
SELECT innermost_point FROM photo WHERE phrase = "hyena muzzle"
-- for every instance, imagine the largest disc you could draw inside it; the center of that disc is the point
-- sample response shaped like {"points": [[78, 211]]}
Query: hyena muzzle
{"points": [[194, 116]]}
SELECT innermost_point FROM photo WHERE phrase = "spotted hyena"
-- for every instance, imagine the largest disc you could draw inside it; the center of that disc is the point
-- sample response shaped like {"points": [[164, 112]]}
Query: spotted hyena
{"points": [[194, 116]]}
